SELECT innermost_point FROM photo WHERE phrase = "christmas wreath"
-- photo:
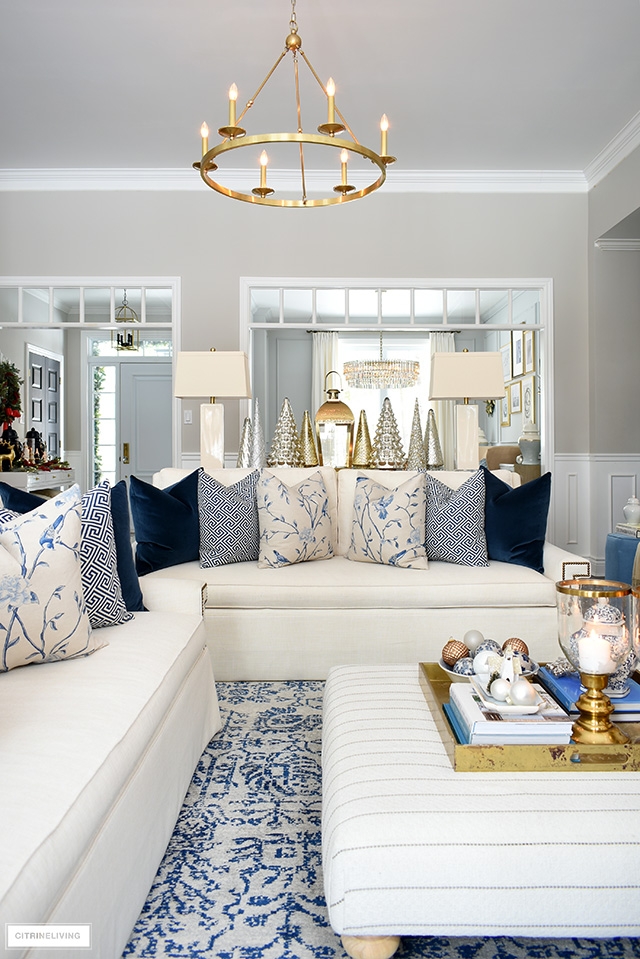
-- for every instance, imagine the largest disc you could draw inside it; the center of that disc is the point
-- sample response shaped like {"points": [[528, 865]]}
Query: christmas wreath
{"points": [[10, 383]]}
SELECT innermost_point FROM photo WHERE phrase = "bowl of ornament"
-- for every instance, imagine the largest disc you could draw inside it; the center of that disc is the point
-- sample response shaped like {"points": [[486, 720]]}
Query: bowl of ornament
{"points": [[475, 656]]}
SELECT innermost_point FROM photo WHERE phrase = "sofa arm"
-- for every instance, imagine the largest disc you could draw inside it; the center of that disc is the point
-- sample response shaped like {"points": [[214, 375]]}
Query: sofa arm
{"points": [[561, 564], [166, 595]]}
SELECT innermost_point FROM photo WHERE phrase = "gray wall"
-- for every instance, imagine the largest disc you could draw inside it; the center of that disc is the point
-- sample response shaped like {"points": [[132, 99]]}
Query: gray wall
{"points": [[211, 241], [614, 316]]}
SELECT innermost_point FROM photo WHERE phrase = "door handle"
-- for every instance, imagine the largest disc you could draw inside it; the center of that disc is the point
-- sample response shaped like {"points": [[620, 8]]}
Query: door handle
{"points": [[125, 452]]}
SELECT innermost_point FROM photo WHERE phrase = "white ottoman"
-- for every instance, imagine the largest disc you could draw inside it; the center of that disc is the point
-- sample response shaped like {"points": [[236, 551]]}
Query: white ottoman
{"points": [[411, 847]]}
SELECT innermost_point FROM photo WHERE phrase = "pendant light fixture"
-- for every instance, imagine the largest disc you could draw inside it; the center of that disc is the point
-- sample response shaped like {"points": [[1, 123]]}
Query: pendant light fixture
{"points": [[381, 374], [329, 135], [128, 340]]}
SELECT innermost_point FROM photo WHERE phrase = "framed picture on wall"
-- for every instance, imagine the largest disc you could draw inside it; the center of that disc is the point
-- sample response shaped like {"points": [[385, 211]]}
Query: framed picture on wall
{"points": [[529, 398], [505, 409], [529, 351], [505, 353], [517, 358], [515, 397]]}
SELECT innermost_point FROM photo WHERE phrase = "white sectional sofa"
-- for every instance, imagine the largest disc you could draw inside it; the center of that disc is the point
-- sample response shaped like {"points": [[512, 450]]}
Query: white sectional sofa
{"points": [[298, 621], [96, 757]]}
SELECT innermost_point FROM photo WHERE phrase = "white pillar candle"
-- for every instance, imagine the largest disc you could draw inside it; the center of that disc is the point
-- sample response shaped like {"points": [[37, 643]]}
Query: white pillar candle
{"points": [[594, 654]]}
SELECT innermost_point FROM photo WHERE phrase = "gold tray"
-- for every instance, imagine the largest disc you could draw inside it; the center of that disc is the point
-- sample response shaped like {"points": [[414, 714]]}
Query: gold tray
{"points": [[534, 758]]}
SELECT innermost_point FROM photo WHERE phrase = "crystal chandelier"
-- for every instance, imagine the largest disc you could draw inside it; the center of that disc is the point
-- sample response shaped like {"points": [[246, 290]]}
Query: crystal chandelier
{"points": [[381, 374], [125, 314], [234, 137]]}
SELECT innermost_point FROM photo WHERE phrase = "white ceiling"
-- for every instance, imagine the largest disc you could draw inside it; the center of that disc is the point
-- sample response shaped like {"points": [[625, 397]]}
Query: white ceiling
{"points": [[510, 85]]}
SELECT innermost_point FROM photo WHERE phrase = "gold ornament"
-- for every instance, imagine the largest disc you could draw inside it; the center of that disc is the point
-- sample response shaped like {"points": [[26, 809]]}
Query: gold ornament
{"points": [[362, 451], [517, 645], [453, 651]]}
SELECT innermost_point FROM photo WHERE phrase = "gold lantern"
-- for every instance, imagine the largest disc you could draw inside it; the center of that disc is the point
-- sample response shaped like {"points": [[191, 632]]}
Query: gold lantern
{"points": [[334, 429]]}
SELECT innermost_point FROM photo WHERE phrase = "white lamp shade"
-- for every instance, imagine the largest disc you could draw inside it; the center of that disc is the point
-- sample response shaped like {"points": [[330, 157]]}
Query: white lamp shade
{"points": [[212, 373], [457, 376]]}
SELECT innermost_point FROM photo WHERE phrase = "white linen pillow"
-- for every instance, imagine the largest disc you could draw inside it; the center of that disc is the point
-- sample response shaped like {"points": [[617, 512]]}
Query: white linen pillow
{"points": [[43, 615], [388, 524], [295, 521]]}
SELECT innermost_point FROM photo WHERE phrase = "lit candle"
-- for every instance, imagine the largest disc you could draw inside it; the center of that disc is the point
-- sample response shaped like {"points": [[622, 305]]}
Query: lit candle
{"points": [[384, 126], [594, 655], [233, 96], [331, 94], [264, 159], [344, 156], [204, 133]]}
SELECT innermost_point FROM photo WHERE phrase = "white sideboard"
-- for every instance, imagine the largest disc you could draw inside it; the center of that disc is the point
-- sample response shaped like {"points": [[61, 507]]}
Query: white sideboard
{"points": [[42, 480]]}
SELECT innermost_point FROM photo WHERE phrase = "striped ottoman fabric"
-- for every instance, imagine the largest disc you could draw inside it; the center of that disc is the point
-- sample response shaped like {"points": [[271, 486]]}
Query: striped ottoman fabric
{"points": [[412, 848]]}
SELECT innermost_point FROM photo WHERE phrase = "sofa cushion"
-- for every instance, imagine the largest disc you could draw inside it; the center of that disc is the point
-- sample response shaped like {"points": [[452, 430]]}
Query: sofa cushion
{"points": [[340, 584], [295, 525], [290, 475], [388, 524], [166, 523], [43, 615], [516, 520], [229, 530], [455, 522]]}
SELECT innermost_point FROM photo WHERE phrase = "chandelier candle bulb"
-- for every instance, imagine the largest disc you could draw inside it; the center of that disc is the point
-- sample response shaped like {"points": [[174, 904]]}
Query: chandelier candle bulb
{"points": [[204, 133], [344, 156], [233, 96], [384, 126], [264, 160], [331, 95]]}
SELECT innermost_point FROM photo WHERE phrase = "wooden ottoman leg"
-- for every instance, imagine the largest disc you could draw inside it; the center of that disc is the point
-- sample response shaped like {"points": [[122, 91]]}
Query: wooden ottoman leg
{"points": [[370, 947]]}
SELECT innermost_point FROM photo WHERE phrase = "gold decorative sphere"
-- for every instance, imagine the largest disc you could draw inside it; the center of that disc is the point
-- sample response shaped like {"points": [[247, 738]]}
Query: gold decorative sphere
{"points": [[518, 645], [453, 651], [293, 42]]}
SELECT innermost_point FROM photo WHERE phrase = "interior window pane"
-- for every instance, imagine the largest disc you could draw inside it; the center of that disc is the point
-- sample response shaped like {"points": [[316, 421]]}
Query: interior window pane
{"points": [[298, 306], [265, 306], [35, 305], [97, 305], [396, 306], [494, 306], [461, 307], [9, 304], [428, 306], [526, 307], [363, 306], [330, 306], [157, 305]]}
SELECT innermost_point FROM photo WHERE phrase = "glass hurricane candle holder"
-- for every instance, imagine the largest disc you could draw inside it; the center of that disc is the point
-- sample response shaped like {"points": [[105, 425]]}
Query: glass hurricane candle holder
{"points": [[596, 634]]}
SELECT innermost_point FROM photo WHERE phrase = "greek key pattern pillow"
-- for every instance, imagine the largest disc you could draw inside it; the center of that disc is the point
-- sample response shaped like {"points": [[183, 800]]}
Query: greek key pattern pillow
{"points": [[295, 525], [229, 531], [455, 522], [43, 615], [388, 524]]}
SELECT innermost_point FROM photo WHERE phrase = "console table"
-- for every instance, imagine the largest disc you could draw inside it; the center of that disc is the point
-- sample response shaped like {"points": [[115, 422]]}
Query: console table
{"points": [[42, 480]]}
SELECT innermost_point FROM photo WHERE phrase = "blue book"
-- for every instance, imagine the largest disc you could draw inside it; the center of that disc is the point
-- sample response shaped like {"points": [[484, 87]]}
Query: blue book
{"points": [[567, 689], [458, 729]]}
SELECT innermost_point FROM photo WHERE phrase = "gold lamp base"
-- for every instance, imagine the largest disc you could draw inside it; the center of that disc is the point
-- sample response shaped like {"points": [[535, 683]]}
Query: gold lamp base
{"points": [[343, 188], [232, 133], [330, 129], [593, 724]]}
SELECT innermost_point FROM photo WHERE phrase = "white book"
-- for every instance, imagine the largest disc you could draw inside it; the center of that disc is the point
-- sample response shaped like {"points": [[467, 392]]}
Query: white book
{"points": [[485, 724]]}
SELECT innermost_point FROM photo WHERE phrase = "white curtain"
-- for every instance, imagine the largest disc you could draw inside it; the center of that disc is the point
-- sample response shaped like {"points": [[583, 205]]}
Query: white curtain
{"points": [[445, 409], [324, 358]]}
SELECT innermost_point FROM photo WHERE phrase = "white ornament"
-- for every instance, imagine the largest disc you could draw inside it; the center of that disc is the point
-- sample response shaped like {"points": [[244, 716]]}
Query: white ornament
{"points": [[486, 661], [499, 689], [522, 693], [472, 639]]}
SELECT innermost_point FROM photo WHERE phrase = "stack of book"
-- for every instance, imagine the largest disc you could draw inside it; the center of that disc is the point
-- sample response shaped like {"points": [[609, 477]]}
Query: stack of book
{"points": [[630, 529], [567, 689], [476, 722]]}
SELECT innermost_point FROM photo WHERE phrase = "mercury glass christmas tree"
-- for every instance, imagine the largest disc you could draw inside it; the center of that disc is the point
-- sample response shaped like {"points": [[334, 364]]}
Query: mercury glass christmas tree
{"points": [[258, 449], [387, 445], [285, 446], [244, 453], [417, 459]]}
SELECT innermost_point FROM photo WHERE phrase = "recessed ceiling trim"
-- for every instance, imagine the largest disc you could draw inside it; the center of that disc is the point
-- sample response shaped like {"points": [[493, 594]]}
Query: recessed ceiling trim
{"points": [[400, 181], [623, 143], [628, 245]]}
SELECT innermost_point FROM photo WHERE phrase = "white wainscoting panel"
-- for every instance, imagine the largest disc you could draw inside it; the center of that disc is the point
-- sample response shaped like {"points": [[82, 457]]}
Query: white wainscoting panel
{"points": [[570, 522], [191, 461]]}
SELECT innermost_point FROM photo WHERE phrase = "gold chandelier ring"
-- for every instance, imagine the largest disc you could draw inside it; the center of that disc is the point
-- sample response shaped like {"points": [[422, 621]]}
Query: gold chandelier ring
{"points": [[208, 163]]}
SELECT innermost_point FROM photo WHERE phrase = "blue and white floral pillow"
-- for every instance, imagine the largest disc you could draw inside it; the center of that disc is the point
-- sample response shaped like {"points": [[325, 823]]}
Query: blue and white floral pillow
{"points": [[388, 524], [295, 524], [229, 531], [43, 615], [455, 522]]}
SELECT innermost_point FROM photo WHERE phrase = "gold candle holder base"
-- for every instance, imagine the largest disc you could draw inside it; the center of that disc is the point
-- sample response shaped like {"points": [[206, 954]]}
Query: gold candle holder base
{"points": [[231, 133], [330, 129], [209, 166], [343, 188], [593, 724], [262, 191], [387, 160]]}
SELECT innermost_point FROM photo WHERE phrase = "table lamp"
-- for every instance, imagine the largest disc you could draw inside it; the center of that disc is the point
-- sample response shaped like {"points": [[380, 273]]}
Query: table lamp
{"points": [[465, 376], [212, 373]]}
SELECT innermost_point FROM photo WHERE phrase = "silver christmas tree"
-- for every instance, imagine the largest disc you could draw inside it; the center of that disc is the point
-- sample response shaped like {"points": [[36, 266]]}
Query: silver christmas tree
{"points": [[244, 453], [258, 448], [417, 459], [433, 450], [387, 445], [285, 446]]}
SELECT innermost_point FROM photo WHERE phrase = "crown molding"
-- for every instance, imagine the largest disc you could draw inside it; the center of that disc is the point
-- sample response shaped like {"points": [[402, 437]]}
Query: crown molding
{"points": [[628, 245], [623, 143], [398, 181]]}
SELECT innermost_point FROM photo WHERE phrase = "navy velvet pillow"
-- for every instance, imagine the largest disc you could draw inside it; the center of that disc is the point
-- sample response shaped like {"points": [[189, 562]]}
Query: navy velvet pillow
{"points": [[515, 521], [131, 592], [18, 499], [166, 523]]}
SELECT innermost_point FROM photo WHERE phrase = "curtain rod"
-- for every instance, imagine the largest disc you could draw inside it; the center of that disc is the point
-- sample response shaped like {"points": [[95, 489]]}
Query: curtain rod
{"points": [[385, 330]]}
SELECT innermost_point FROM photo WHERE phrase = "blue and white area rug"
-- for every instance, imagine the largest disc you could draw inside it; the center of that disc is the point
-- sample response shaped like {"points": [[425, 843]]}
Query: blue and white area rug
{"points": [[242, 876]]}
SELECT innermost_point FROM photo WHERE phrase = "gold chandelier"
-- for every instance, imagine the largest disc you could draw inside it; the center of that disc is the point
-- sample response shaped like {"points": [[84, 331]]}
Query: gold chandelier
{"points": [[381, 374], [234, 137]]}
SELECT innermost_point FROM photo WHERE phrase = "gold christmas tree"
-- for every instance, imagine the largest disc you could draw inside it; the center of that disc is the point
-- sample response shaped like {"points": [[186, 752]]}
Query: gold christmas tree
{"points": [[362, 450], [308, 451]]}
